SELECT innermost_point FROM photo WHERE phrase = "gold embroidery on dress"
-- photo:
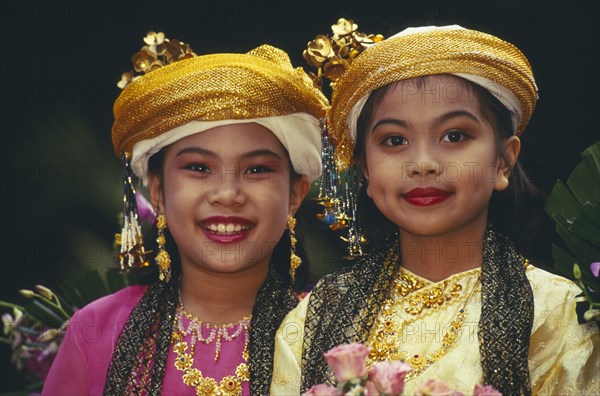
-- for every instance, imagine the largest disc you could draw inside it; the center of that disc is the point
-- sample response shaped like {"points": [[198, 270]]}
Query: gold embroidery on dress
{"points": [[387, 333], [433, 298], [405, 283]]}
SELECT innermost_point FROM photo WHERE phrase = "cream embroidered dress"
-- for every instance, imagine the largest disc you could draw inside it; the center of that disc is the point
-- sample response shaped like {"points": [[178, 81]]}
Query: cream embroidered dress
{"points": [[433, 326]]}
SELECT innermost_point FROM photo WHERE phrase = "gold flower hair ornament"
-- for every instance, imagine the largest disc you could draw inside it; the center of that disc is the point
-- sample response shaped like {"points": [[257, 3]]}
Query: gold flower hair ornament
{"points": [[338, 191], [332, 55], [159, 51]]}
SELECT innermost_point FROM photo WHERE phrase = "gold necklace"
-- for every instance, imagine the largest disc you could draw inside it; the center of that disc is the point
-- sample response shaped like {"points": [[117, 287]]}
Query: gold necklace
{"points": [[434, 297], [230, 385], [386, 336]]}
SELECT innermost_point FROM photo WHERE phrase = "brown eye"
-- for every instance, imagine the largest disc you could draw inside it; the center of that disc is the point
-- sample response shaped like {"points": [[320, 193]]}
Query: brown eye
{"points": [[258, 169], [199, 168], [454, 137], [395, 141]]}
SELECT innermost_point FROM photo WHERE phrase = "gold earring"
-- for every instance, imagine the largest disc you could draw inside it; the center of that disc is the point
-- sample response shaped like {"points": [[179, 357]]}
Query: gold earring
{"points": [[163, 260], [295, 260]]}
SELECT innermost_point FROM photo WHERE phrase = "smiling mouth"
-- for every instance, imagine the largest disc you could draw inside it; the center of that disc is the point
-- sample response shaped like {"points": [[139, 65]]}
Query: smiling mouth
{"points": [[225, 228]]}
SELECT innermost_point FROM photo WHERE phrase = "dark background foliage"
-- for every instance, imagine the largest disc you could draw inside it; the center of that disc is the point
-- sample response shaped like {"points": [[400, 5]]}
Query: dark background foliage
{"points": [[60, 62]]}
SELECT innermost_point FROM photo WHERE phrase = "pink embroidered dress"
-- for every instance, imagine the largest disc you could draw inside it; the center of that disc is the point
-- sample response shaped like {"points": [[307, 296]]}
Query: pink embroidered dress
{"points": [[83, 360]]}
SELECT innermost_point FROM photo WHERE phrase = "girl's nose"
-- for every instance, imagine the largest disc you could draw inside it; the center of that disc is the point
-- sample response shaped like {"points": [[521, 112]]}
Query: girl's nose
{"points": [[424, 163], [227, 192], [424, 168]]}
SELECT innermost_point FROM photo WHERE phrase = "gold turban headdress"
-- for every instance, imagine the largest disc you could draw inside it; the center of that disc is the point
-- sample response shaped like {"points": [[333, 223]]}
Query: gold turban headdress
{"points": [[202, 92], [488, 61]]}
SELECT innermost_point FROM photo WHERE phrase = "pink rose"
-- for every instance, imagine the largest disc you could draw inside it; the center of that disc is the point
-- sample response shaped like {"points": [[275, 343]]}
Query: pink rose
{"points": [[388, 377], [487, 390], [371, 389], [436, 388], [321, 389], [348, 361]]}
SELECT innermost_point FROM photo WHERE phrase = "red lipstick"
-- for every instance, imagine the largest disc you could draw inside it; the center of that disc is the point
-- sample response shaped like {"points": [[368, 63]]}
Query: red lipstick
{"points": [[226, 229], [427, 196]]}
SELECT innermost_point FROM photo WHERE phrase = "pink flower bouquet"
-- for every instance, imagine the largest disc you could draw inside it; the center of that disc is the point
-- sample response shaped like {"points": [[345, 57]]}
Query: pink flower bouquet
{"points": [[348, 362]]}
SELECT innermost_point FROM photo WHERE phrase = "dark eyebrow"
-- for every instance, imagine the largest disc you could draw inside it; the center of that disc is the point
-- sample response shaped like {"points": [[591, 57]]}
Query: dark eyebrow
{"points": [[261, 152], [454, 114], [195, 150], [393, 121], [249, 154], [436, 122]]}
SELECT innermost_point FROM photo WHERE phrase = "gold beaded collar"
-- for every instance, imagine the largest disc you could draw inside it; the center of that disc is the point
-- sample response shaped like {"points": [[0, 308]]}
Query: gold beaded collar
{"points": [[423, 294], [424, 298]]}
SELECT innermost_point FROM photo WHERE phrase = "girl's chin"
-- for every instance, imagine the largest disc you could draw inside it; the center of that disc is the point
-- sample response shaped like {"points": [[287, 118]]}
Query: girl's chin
{"points": [[422, 230], [226, 268]]}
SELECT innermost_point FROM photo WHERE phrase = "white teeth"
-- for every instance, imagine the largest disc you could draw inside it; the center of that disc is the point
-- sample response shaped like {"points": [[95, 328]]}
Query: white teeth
{"points": [[226, 228]]}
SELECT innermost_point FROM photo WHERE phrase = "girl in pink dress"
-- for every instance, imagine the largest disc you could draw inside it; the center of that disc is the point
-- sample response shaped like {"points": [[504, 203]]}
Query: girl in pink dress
{"points": [[227, 145]]}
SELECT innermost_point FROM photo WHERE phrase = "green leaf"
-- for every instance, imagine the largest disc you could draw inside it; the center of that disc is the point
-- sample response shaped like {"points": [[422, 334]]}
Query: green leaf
{"points": [[72, 294], [96, 286], [588, 278], [587, 226], [36, 386], [582, 184], [584, 251], [561, 205], [44, 314], [591, 156], [576, 211], [563, 261], [66, 305], [92, 285]]}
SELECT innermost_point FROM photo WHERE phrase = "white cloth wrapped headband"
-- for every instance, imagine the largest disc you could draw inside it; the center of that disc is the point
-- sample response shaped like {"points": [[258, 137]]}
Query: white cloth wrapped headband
{"points": [[299, 133]]}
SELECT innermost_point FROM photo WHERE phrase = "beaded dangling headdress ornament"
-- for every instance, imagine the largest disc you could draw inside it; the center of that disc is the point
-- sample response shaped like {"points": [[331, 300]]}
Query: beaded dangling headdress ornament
{"points": [[158, 52], [339, 186]]}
